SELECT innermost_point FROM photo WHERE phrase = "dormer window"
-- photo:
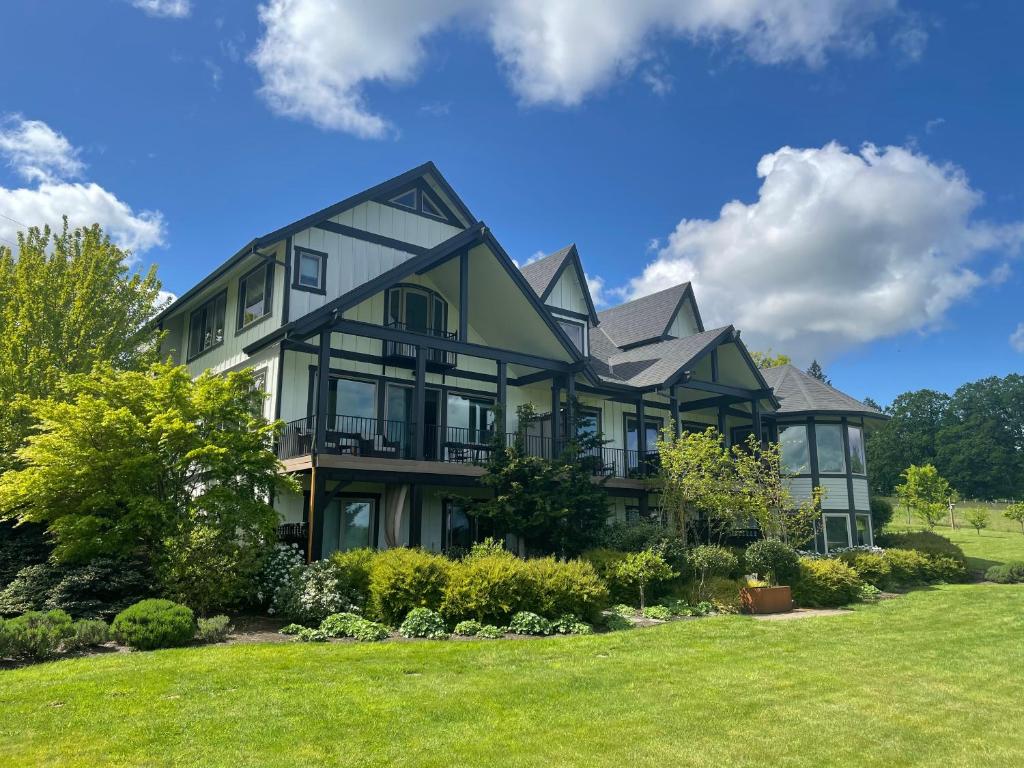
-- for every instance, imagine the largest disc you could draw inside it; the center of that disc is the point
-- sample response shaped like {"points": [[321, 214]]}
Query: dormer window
{"points": [[576, 330]]}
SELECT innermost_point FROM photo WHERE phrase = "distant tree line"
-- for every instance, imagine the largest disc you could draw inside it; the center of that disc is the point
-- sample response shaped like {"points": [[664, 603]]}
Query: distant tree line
{"points": [[974, 438]]}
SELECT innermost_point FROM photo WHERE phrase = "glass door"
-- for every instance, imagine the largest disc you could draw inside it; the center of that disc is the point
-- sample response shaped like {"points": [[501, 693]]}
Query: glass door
{"points": [[398, 404], [348, 524]]}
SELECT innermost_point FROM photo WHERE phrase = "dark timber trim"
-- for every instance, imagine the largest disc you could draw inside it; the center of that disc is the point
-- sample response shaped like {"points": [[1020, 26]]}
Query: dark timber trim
{"points": [[572, 257], [286, 299], [301, 251], [464, 296], [371, 237]]}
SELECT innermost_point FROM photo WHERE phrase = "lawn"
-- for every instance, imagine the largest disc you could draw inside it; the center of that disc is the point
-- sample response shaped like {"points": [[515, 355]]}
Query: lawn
{"points": [[931, 678]]}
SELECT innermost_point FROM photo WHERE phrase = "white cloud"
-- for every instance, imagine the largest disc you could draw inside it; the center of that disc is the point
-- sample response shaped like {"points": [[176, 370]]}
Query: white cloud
{"points": [[840, 248], [1017, 338], [40, 154], [36, 151], [316, 57], [166, 9], [596, 286], [163, 299]]}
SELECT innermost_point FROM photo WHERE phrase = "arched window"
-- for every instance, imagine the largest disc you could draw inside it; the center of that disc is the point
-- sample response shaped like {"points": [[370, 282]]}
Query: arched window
{"points": [[416, 309]]}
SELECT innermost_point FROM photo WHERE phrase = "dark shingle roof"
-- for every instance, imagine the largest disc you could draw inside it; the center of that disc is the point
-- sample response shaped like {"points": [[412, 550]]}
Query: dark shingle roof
{"points": [[643, 319], [651, 364], [799, 392], [540, 273]]}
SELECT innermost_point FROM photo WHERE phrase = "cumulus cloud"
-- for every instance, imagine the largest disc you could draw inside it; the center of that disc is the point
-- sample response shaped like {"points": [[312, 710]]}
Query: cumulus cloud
{"points": [[839, 248], [42, 155], [316, 57], [165, 9], [596, 286], [1017, 338]]}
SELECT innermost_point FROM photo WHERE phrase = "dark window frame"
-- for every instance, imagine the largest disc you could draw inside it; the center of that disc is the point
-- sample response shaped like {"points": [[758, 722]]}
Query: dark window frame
{"points": [[268, 297], [301, 251], [432, 297], [221, 294], [583, 325]]}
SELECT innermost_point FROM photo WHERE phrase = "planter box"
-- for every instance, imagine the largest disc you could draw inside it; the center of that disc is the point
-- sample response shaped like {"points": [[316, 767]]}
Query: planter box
{"points": [[761, 600]]}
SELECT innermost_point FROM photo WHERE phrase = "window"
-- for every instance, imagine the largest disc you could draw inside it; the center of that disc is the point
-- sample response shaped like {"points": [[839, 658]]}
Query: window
{"points": [[831, 454], [206, 326], [858, 465], [470, 420], [864, 534], [796, 459], [416, 309], [259, 384], [310, 272], [255, 295], [420, 199], [428, 207], [837, 531], [406, 199], [352, 406], [349, 524], [575, 331], [590, 422]]}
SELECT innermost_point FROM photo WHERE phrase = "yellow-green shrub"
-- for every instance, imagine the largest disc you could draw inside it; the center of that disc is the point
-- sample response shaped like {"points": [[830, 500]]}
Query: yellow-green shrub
{"points": [[490, 587], [570, 587], [872, 567], [402, 579], [826, 583]]}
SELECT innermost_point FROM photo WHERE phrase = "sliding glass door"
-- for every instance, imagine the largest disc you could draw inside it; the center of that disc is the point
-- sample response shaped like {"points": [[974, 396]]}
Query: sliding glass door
{"points": [[349, 524]]}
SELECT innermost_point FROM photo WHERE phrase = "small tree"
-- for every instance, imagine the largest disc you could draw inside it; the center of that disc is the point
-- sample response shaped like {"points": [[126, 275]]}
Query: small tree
{"points": [[706, 562], [643, 569], [1016, 512], [697, 473], [977, 518], [764, 484], [926, 492], [769, 360]]}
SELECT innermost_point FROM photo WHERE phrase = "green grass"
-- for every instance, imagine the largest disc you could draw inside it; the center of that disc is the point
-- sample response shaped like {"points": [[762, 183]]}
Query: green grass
{"points": [[932, 678]]}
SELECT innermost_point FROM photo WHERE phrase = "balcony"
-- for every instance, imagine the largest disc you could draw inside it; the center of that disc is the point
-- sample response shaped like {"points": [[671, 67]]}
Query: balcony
{"points": [[383, 439], [404, 354]]}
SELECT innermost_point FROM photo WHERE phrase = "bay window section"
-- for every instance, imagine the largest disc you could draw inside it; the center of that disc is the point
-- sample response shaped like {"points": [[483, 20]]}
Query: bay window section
{"points": [[858, 464], [206, 326], [837, 532], [831, 454], [796, 454]]}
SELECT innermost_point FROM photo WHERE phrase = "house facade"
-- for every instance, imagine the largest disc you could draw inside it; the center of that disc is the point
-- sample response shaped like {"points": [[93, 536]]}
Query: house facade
{"points": [[395, 338]]}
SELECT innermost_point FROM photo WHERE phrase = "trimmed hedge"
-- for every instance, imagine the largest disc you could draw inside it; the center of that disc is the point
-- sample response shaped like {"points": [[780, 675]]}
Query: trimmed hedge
{"points": [[1007, 573], [402, 579], [36, 635], [826, 583], [926, 542], [152, 624]]}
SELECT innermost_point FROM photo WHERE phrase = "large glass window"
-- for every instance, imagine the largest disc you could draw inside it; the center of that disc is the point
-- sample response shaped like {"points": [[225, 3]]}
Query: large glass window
{"points": [[858, 465], [831, 455], [864, 537], [206, 326], [796, 457], [652, 432], [352, 406], [574, 330], [837, 532], [348, 524], [254, 295], [469, 420]]}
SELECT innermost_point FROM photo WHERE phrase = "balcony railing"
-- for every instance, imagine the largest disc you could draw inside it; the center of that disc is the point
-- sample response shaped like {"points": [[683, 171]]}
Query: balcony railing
{"points": [[381, 438], [436, 358]]}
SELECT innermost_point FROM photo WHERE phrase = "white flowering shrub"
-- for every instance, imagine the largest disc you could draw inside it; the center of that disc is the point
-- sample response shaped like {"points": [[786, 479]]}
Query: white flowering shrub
{"points": [[280, 570], [314, 592]]}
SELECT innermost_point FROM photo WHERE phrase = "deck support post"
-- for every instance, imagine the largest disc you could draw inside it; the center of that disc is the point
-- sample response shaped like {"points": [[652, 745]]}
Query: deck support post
{"points": [[673, 405], [502, 396], [415, 515], [722, 430], [419, 403], [323, 387], [556, 408], [570, 407], [464, 296], [641, 437]]}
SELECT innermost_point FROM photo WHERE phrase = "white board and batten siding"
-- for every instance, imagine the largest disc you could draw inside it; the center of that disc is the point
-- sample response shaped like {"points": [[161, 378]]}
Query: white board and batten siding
{"points": [[567, 293], [685, 322], [352, 262]]}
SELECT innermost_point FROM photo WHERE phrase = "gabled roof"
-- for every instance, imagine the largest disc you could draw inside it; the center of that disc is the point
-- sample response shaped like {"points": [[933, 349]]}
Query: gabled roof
{"points": [[652, 365], [648, 318], [379, 190], [801, 393], [543, 274]]}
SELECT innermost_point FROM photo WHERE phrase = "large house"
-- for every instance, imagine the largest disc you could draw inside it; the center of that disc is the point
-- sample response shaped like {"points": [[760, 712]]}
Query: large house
{"points": [[395, 337]]}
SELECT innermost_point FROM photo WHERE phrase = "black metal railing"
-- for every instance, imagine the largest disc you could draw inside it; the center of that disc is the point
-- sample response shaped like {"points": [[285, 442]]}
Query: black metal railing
{"points": [[390, 439], [436, 358]]}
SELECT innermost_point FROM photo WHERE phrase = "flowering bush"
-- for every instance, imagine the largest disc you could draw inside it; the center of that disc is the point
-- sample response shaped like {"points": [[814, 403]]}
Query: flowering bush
{"points": [[279, 571], [312, 594]]}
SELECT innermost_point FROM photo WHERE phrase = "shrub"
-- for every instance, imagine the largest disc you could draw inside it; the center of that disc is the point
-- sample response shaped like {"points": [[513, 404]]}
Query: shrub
{"points": [[151, 624], [704, 607], [354, 626], [403, 579], [872, 568], [642, 569], [312, 594], [20, 546], [101, 588], [708, 561], [88, 633], [772, 560], [569, 587], [720, 594], [353, 571], [1007, 573], [881, 513], [869, 593], [571, 625], [423, 622], [623, 610], [613, 622], [491, 632], [605, 563], [922, 541], [659, 612], [468, 628], [826, 583], [291, 629], [280, 569], [908, 567], [947, 569], [308, 635], [36, 635], [676, 607], [527, 623], [214, 629], [489, 586]]}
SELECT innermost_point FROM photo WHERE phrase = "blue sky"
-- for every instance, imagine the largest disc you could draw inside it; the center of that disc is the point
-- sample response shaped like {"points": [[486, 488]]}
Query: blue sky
{"points": [[189, 128]]}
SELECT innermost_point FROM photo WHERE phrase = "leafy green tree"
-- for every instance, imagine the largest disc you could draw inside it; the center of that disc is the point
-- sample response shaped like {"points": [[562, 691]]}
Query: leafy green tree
{"points": [[67, 301], [926, 492], [642, 569], [697, 474], [768, 360], [818, 372], [908, 437], [977, 518], [873, 403], [1016, 512], [553, 503], [157, 466]]}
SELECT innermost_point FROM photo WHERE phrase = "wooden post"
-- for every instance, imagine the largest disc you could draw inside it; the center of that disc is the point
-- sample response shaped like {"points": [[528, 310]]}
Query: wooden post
{"points": [[323, 388], [556, 408], [464, 296], [673, 404], [641, 437], [503, 396], [419, 403]]}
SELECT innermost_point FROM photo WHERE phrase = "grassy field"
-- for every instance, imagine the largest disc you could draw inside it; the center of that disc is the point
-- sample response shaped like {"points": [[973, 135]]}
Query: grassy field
{"points": [[931, 678]]}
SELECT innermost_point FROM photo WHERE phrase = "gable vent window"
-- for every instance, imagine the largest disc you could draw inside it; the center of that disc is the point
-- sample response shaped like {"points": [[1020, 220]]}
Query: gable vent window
{"points": [[430, 209], [420, 199], [575, 331], [206, 326], [406, 200], [254, 295], [310, 271]]}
